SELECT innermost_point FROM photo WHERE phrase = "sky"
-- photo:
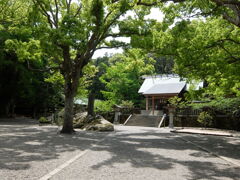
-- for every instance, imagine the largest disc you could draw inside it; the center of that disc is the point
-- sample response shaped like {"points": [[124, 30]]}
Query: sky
{"points": [[155, 14]]}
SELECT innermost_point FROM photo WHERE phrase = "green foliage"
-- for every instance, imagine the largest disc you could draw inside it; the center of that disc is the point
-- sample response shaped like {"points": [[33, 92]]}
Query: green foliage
{"points": [[59, 39], [98, 12], [94, 85], [175, 100], [21, 84], [128, 107], [229, 106], [43, 120], [178, 102], [194, 94], [103, 106], [123, 76], [127, 104], [205, 118], [86, 80], [25, 51], [204, 50]]}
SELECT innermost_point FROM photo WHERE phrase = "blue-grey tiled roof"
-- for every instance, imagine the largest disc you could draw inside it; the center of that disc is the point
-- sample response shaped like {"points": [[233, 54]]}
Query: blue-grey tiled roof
{"points": [[171, 88], [163, 84]]}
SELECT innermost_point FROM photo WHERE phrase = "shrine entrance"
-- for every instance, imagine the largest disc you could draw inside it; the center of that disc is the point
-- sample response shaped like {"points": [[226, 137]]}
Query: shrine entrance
{"points": [[156, 104]]}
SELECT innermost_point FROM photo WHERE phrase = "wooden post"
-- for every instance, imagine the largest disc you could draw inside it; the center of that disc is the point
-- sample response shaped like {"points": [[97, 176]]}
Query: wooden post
{"points": [[153, 104], [147, 103]]}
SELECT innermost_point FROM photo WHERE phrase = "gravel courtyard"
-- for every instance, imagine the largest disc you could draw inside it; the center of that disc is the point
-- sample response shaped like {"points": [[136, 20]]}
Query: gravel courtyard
{"points": [[30, 151]]}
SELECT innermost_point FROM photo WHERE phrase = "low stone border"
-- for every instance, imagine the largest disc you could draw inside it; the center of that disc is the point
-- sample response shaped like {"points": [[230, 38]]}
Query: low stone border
{"points": [[203, 132]]}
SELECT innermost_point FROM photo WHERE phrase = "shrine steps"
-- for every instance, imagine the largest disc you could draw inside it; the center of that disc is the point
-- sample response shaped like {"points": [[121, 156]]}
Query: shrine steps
{"points": [[143, 120]]}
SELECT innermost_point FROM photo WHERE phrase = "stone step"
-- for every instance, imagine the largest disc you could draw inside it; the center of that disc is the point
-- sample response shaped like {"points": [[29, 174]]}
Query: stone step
{"points": [[144, 120]]}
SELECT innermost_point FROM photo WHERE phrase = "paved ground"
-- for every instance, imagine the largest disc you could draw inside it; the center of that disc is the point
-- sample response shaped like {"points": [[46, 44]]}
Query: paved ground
{"points": [[28, 151]]}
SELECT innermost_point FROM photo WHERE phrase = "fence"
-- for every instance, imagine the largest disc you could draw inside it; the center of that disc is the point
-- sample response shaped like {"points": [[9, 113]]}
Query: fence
{"points": [[224, 119], [188, 112]]}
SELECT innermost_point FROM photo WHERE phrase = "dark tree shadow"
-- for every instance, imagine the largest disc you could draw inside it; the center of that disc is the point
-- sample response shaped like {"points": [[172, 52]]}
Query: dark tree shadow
{"points": [[22, 144], [142, 150]]}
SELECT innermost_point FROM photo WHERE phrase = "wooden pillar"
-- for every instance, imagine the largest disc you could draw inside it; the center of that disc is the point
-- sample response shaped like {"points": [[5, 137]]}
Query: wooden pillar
{"points": [[147, 103], [153, 105]]}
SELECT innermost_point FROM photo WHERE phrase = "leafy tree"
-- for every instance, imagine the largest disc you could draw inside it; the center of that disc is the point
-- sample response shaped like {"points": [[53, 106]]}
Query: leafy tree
{"points": [[61, 36], [228, 10], [205, 118], [123, 76], [71, 31], [204, 50], [20, 84], [96, 85]]}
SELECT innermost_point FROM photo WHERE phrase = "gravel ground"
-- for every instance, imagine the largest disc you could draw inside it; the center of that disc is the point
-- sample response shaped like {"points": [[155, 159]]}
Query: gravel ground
{"points": [[147, 153], [227, 147], [29, 151]]}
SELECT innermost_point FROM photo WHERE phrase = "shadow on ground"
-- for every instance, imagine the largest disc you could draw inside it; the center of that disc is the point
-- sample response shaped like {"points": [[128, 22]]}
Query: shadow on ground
{"points": [[21, 144], [155, 149], [25, 142]]}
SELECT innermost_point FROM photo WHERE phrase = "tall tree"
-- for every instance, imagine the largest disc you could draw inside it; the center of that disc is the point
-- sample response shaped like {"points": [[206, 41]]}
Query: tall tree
{"points": [[123, 76], [228, 9], [97, 86], [205, 50], [71, 31], [20, 85]]}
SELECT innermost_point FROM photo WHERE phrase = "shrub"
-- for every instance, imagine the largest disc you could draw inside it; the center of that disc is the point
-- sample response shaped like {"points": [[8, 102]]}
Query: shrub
{"points": [[224, 105], [205, 118], [127, 104], [177, 102], [43, 120], [103, 106]]}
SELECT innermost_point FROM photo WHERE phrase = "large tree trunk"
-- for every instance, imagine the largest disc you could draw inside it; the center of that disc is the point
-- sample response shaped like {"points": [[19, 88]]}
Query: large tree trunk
{"points": [[71, 83], [68, 112], [91, 99], [70, 91], [72, 71]]}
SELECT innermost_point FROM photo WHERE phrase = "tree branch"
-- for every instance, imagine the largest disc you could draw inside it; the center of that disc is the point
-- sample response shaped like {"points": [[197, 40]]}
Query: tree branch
{"points": [[229, 53], [44, 12], [53, 15], [233, 2], [155, 3], [68, 5], [78, 10], [111, 47], [41, 70], [233, 5], [57, 9]]}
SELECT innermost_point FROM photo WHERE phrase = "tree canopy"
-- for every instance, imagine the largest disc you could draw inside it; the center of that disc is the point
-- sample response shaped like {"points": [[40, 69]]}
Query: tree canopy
{"points": [[204, 50], [123, 76], [45, 45]]}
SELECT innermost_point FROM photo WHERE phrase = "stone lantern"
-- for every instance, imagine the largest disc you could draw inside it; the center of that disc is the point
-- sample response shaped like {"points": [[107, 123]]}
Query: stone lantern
{"points": [[171, 110], [117, 110]]}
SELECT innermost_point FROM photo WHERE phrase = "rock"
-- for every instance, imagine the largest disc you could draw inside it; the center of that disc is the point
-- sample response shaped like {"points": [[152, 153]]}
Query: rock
{"points": [[99, 125], [91, 123], [80, 116], [80, 120]]}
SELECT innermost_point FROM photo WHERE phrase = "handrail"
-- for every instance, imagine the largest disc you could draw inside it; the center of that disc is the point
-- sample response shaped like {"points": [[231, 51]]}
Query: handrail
{"points": [[127, 119], [163, 118]]}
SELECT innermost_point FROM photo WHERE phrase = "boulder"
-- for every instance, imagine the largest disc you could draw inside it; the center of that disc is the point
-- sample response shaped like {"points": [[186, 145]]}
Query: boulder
{"points": [[80, 120], [99, 125], [91, 123]]}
